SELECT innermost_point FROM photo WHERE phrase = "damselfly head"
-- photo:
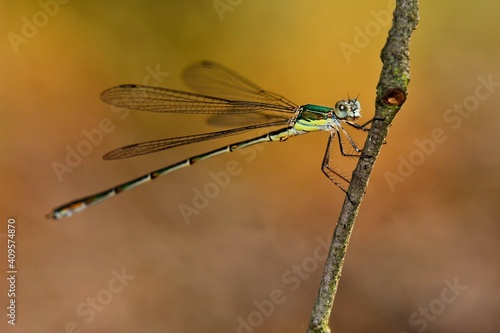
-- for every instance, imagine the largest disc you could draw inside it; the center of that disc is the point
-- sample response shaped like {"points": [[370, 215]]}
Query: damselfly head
{"points": [[347, 109]]}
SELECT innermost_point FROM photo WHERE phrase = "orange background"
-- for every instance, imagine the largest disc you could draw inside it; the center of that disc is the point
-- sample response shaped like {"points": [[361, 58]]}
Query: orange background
{"points": [[262, 234]]}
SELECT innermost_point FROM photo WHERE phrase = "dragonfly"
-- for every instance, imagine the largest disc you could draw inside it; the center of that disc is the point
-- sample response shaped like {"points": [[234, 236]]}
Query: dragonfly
{"points": [[226, 95]]}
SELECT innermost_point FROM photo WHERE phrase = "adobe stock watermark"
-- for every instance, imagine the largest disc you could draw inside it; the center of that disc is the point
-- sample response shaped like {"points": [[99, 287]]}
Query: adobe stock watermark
{"points": [[363, 37], [31, 26], [92, 306], [430, 313], [219, 180], [223, 6], [292, 279], [95, 136], [454, 118]]}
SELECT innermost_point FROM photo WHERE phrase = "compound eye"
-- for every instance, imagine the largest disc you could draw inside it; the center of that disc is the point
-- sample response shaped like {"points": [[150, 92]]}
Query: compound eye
{"points": [[341, 109]]}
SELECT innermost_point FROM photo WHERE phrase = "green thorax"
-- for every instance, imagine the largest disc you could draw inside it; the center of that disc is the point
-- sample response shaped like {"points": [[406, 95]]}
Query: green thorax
{"points": [[313, 112], [312, 118]]}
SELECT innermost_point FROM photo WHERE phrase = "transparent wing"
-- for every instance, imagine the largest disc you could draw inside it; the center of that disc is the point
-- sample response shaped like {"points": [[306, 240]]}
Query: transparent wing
{"points": [[213, 79], [157, 99], [246, 119], [159, 145], [235, 101]]}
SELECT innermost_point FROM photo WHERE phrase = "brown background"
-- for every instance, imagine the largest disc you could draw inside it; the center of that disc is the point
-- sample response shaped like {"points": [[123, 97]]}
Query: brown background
{"points": [[411, 240]]}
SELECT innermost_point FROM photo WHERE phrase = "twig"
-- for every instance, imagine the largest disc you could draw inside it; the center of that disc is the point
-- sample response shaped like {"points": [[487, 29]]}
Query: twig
{"points": [[392, 90]]}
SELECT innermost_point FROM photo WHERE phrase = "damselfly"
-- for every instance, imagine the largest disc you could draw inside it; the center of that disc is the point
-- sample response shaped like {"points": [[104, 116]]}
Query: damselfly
{"points": [[225, 93]]}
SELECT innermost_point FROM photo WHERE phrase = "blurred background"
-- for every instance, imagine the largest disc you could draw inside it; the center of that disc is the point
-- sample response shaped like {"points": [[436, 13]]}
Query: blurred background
{"points": [[423, 256]]}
